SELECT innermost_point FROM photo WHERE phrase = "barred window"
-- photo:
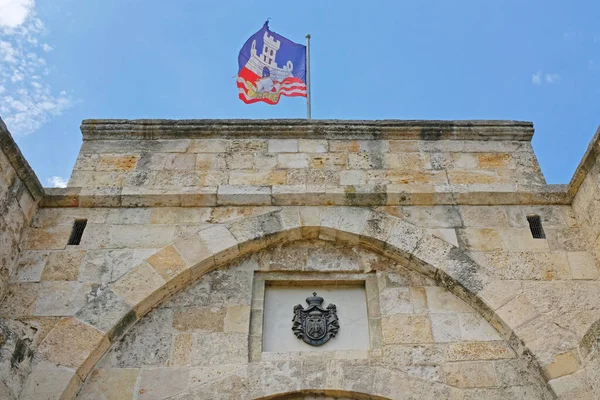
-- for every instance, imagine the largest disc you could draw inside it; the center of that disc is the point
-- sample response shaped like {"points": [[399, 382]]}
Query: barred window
{"points": [[535, 225], [77, 232]]}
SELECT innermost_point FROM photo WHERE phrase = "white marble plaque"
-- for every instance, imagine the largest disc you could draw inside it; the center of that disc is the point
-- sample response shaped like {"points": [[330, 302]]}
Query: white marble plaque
{"points": [[279, 305]]}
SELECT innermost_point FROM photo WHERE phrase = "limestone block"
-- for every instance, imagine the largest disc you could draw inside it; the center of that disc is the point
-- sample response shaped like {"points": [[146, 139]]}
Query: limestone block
{"points": [[151, 236], [565, 364], [551, 216], [583, 265], [173, 180], [132, 351], [49, 381], [498, 293], [448, 235], [61, 298], [208, 146], [445, 327], [248, 146], [402, 240], [468, 374], [108, 313], [299, 160], [313, 146], [203, 319], [160, 383], [433, 216], [526, 265], [569, 239], [572, 386], [110, 384], [465, 351], [220, 242], [127, 216], [237, 319], [195, 253], [30, 265], [219, 348], [352, 223], [137, 286], [265, 162], [63, 265], [168, 263], [335, 162], [176, 161], [132, 196], [517, 311], [474, 327], [53, 238], [401, 328], [121, 162], [483, 216], [199, 196], [239, 161], [440, 300], [396, 300], [283, 146], [20, 300], [74, 344], [377, 229], [520, 239], [353, 177], [290, 195], [181, 350], [480, 239], [244, 195]]}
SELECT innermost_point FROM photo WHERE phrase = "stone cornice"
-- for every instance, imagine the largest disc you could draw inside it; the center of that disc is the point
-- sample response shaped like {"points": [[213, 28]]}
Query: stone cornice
{"points": [[361, 195], [19, 163], [114, 129]]}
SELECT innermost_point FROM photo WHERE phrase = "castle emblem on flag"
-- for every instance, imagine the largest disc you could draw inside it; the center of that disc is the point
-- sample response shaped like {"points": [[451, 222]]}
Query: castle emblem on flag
{"points": [[271, 66], [315, 324]]}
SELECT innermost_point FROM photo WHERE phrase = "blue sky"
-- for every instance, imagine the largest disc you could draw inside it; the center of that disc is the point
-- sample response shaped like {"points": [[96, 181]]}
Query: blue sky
{"points": [[62, 61]]}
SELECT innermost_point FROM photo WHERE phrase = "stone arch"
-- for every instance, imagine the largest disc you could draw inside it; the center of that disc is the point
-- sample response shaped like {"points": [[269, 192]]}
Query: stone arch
{"points": [[73, 347]]}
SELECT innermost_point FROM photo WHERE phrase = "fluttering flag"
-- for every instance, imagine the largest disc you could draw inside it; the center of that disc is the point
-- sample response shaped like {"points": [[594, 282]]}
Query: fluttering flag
{"points": [[271, 66]]}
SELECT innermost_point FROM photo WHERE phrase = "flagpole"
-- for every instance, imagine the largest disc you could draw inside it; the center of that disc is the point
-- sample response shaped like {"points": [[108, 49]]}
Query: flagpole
{"points": [[308, 76]]}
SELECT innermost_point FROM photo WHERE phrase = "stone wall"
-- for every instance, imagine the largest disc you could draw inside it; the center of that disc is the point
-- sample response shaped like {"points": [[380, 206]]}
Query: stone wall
{"points": [[210, 162], [20, 192], [196, 345], [155, 227]]}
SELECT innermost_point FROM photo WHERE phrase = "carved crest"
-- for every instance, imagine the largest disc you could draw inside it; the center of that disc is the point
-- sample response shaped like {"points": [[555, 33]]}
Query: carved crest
{"points": [[315, 324]]}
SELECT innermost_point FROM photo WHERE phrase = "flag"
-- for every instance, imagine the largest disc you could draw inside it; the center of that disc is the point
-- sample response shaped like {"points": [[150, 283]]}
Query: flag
{"points": [[271, 66]]}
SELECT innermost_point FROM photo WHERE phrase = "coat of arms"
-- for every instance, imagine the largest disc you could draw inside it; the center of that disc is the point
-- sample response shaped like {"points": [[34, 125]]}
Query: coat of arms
{"points": [[315, 324]]}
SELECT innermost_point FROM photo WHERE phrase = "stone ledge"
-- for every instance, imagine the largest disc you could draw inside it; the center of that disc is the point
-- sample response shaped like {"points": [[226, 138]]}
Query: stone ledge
{"points": [[19, 163], [113, 129], [585, 165], [357, 195]]}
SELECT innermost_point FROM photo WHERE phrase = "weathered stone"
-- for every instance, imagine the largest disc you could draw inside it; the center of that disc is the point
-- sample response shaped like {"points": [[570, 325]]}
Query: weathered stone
{"points": [[206, 319], [398, 329], [110, 384], [74, 344], [159, 383], [479, 351], [63, 266], [468, 374]]}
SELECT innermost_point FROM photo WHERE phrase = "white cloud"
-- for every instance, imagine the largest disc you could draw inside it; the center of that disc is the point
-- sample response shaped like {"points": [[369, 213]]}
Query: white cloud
{"points": [[27, 100], [13, 13], [551, 78], [539, 78], [57, 181]]}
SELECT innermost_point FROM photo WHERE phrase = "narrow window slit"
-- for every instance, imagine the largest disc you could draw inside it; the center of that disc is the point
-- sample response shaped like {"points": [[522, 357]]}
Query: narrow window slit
{"points": [[535, 225], [77, 232]]}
